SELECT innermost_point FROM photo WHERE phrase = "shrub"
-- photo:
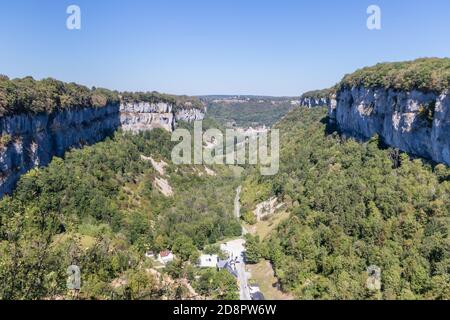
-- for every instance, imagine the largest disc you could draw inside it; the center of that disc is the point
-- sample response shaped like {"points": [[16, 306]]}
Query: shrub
{"points": [[426, 112], [5, 140], [249, 217]]}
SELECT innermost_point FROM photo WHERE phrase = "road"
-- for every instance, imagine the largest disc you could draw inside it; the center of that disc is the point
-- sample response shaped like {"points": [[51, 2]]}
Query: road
{"points": [[244, 291], [238, 249]]}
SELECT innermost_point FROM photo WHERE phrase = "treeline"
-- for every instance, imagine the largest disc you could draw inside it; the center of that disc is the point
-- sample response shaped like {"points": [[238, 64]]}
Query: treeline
{"points": [[27, 95], [426, 74], [319, 94], [184, 102], [353, 206], [31, 96]]}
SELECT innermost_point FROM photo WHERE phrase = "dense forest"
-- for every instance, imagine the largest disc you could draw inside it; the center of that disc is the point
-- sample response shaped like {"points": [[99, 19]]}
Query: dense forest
{"points": [[353, 206], [426, 74], [27, 95], [100, 209], [319, 94]]}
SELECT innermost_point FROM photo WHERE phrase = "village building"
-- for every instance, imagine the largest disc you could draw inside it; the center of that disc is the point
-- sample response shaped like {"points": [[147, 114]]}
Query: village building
{"points": [[208, 261], [166, 256]]}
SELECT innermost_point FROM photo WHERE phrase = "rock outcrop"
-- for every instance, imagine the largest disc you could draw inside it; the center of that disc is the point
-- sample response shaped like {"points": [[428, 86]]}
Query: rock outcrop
{"points": [[189, 115], [30, 140], [415, 122], [312, 102], [317, 98], [35, 139], [143, 116]]}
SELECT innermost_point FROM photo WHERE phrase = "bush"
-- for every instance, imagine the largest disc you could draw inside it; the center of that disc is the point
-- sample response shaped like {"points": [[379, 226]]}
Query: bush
{"points": [[5, 140], [426, 112], [249, 217]]}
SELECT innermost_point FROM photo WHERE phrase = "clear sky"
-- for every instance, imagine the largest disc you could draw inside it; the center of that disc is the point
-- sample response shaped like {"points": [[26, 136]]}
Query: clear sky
{"points": [[266, 47]]}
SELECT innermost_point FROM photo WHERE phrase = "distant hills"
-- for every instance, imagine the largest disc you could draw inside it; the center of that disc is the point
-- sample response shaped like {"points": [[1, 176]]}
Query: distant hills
{"points": [[248, 110]]}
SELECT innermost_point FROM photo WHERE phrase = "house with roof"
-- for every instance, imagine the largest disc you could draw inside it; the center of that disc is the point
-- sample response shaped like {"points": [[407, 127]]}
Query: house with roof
{"points": [[227, 265], [166, 256], [221, 264]]}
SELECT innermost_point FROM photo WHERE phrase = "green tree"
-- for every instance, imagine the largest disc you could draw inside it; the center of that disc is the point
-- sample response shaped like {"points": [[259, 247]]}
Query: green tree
{"points": [[252, 249]]}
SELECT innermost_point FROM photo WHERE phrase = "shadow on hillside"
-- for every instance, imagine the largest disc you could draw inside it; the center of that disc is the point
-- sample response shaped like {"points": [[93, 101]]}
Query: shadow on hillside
{"points": [[330, 126]]}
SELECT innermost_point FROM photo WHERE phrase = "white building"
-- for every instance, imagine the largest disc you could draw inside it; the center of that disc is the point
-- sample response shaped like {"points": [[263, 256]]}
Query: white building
{"points": [[234, 248], [208, 261], [165, 257]]}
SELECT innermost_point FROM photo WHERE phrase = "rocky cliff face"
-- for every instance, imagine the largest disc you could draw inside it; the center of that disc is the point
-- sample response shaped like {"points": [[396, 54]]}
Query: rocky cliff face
{"points": [[28, 141], [35, 139], [189, 115], [415, 122], [143, 116], [312, 102]]}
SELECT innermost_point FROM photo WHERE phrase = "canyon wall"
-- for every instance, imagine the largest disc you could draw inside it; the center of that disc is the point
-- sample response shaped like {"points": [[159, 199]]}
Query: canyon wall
{"points": [[143, 116], [29, 141], [312, 102], [415, 122], [189, 115]]}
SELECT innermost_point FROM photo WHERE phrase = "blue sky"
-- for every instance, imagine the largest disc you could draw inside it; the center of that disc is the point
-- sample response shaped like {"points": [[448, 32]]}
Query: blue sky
{"points": [[267, 47]]}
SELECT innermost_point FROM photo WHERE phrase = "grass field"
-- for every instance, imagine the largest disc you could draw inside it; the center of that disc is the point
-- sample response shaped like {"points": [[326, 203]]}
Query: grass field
{"points": [[264, 228], [263, 275]]}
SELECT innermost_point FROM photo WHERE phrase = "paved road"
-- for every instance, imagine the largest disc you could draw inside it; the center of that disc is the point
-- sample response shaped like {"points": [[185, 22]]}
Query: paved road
{"points": [[235, 249], [244, 291]]}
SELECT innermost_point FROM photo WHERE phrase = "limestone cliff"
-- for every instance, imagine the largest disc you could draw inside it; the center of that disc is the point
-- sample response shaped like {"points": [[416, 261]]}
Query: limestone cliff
{"points": [[189, 115], [142, 116], [317, 98], [31, 140], [35, 139], [414, 121], [312, 102]]}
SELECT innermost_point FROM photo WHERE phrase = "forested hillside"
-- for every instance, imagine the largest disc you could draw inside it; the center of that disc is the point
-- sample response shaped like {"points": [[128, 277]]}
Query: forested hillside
{"points": [[353, 206], [101, 209], [249, 112]]}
